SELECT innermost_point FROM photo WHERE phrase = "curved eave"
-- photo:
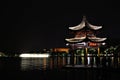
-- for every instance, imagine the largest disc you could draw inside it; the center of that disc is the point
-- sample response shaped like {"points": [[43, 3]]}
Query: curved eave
{"points": [[78, 27], [96, 39], [93, 26], [84, 23], [74, 40]]}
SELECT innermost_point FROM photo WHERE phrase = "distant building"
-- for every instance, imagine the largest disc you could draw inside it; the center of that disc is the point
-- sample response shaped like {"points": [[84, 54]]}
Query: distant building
{"points": [[66, 50]]}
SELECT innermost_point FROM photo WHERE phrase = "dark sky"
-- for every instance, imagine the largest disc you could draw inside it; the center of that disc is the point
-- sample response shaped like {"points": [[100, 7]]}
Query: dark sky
{"points": [[31, 26]]}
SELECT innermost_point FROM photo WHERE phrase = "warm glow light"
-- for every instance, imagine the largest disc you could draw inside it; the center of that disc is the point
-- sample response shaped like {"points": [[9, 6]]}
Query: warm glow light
{"points": [[34, 55], [61, 50], [93, 44]]}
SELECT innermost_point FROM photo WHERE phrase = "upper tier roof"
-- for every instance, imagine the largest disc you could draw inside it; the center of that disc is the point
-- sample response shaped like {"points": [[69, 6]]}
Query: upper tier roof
{"points": [[85, 23]]}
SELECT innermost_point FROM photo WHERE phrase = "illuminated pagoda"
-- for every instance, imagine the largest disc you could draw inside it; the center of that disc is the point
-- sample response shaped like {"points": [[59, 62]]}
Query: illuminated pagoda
{"points": [[85, 37]]}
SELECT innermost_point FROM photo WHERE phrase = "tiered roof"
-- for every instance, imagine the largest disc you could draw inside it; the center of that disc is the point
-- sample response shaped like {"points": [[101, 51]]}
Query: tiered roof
{"points": [[84, 23]]}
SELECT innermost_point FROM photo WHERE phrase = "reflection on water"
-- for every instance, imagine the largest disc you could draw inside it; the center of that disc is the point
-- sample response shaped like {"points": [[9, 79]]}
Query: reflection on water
{"points": [[53, 62], [43, 63], [51, 68], [34, 63], [60, 61]]}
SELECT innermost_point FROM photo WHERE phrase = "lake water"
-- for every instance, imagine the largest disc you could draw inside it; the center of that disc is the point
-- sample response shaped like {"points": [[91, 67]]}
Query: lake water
{"points": [[52, 68]]}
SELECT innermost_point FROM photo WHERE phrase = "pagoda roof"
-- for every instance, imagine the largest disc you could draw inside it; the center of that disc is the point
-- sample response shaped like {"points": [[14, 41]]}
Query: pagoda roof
{"points": [[75, 39], [94, 39], [97, 39], [85, 23]]}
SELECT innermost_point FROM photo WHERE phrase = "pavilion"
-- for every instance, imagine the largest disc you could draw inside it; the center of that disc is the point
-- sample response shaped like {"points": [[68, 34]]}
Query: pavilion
{"points": [[85, 38]]}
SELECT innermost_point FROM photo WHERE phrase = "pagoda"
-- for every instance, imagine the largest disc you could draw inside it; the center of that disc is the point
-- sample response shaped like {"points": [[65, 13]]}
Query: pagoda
{"points": [[85, 37]]}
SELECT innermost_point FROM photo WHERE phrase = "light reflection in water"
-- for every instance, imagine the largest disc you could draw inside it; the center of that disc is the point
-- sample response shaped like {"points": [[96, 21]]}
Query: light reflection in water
{"points": [[33, 63], [56, 62]]}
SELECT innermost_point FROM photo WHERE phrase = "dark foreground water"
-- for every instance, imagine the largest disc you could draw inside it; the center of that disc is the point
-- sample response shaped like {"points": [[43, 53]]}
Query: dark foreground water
{"points": [[52, 69]]}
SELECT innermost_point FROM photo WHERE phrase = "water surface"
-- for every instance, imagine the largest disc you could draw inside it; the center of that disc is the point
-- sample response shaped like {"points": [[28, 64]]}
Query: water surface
{"points": [[52, 68]]}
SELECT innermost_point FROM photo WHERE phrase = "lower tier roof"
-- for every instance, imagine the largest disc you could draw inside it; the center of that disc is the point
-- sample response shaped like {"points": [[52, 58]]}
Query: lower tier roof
{"points": [[94, 39]]}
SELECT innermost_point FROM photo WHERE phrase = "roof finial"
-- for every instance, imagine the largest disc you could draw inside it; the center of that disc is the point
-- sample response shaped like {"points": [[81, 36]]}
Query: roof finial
{"points": [[84, 17]]}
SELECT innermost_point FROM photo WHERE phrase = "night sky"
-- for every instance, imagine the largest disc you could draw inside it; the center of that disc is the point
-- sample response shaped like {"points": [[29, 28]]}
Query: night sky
{"points": [[31, 26]]}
